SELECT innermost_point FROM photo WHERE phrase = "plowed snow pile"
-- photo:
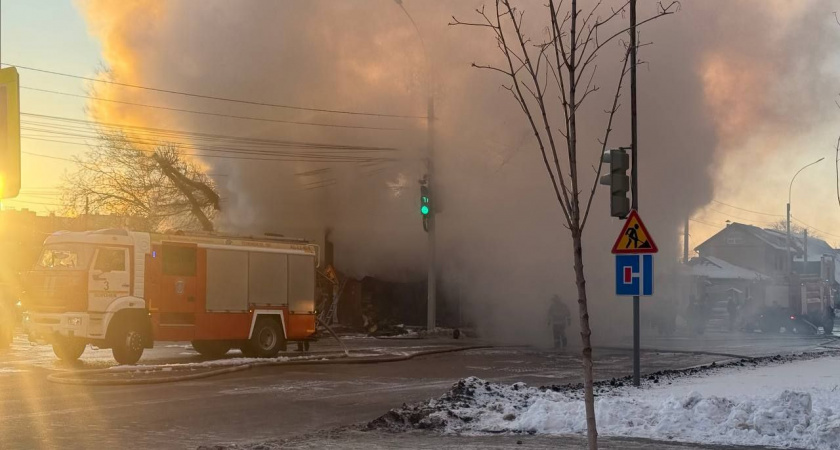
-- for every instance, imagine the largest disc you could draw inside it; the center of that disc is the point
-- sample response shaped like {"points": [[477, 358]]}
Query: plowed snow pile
{"points": [[789, 405]]}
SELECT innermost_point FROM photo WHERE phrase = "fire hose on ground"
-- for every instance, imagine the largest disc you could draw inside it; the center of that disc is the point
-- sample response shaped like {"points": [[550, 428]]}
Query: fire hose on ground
{"points": [[81, 377]]}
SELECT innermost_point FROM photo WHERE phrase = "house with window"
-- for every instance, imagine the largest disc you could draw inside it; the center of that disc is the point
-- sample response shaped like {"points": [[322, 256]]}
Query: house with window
{"points": [[758, 249], [747, 261]]}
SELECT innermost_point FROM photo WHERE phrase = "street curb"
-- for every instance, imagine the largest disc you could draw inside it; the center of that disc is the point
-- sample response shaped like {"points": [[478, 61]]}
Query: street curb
{"points": [[686, 352]]}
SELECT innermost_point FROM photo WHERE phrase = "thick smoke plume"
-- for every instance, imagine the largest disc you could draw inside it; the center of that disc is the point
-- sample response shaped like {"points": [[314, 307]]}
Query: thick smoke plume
{"points": [[718, 74]]}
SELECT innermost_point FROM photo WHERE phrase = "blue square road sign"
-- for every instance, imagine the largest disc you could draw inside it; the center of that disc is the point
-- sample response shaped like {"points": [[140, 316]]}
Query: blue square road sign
{"points": [[633, 275]]}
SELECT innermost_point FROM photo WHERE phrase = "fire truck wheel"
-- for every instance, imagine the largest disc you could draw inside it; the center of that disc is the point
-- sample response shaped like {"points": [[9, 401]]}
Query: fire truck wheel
{"points": [[128, 344], [211, 349], [268, 338], [68, 349]]}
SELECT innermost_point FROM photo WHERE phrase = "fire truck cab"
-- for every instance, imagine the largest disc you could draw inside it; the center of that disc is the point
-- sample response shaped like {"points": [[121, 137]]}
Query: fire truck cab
{"points": [[125, 290]]}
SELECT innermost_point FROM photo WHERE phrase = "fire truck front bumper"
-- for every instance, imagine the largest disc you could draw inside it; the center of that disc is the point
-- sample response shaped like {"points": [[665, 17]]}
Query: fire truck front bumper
{"points": [[43, 328]]}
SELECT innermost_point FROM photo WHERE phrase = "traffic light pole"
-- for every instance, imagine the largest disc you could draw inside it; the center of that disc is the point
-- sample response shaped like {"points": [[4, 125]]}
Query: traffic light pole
{"points": [[634, 184], [431, 293]]}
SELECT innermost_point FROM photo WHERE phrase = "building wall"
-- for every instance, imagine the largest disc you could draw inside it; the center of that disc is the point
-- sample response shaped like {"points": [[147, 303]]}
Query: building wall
{"points": [[739, 247]]}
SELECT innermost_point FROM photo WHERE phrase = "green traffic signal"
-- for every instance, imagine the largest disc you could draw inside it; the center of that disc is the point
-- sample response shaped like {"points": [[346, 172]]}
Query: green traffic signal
{"points": [[425, 201]]}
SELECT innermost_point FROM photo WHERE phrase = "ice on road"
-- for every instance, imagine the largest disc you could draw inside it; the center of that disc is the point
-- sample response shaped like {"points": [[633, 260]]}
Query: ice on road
{"points": [[789, 405]]}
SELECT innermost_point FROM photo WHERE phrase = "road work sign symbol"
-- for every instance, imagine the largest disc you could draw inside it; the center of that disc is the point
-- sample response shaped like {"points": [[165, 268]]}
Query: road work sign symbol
{"points": [[633, 275], [634, 237]]}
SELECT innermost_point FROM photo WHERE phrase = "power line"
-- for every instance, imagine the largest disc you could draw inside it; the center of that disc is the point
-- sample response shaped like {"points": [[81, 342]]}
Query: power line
{"points": [[705, 223], [37, 195], [814, 228], [166, 131], [768, 214], [306, 151], [81, 129], [292, 156], [50, 157], [749, 210], [31, 203], [86, 126], [278, 157], [738, 217], [206, 113], [211, 97]]}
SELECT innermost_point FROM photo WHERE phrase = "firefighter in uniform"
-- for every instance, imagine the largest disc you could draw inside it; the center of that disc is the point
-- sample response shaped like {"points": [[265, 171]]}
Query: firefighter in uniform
{"points": [[560, 317]]}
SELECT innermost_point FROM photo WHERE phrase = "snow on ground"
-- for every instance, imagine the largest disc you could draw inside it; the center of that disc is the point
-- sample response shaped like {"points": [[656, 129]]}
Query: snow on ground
{"points": [[788, 405], [210, 364]]}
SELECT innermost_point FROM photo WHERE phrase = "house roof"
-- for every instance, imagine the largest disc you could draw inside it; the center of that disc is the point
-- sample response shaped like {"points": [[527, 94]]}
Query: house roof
{"points": [[816, 248], [778, 240], [715, 268]]}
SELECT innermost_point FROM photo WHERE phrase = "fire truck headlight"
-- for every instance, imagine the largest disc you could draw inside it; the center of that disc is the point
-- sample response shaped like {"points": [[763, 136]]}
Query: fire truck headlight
{"points": [[74, 321]]}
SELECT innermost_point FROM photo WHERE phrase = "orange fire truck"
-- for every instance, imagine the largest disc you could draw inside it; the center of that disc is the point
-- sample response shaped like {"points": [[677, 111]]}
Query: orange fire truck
{"points": [[124, 290]]}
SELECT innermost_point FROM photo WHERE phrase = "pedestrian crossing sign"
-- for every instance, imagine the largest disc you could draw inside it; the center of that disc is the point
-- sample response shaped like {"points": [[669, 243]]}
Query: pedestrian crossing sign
{"points": [[634, 237]]}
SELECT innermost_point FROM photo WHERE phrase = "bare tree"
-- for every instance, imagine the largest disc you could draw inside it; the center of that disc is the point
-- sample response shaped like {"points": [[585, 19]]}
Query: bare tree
{"points": [[117, 177], [550, 80], [796, 230]]}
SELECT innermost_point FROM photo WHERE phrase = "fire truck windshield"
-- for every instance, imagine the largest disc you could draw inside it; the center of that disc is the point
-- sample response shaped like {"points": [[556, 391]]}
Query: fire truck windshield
{"points": [[64, 257]]}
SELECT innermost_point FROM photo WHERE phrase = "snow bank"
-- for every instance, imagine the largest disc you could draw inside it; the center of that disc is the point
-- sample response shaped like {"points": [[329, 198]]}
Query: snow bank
{"points": [[790, 405]]}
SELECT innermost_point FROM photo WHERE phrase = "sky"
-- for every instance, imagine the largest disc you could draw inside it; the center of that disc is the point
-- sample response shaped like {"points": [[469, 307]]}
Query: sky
{"points": [[49, 34]]}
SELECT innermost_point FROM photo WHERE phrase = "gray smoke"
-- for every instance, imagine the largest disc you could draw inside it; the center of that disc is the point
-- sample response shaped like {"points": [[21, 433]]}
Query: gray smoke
{"points": [[718, 71]]}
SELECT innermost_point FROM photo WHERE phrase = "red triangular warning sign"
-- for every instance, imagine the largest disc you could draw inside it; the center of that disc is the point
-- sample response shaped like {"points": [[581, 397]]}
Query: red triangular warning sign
{"points": [[634, 237]]}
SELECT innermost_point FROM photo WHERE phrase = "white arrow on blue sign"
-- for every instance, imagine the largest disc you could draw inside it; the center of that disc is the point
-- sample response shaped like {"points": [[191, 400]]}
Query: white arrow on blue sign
{"points": [[633, 275]]}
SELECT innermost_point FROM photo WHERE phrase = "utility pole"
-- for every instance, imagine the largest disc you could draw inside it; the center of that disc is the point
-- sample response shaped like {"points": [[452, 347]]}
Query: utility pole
{"points": [[431, 307], [789, 259], [87, 212], [805, 258], [790, 188], [634, 183], [685, 241], [431, 296]]}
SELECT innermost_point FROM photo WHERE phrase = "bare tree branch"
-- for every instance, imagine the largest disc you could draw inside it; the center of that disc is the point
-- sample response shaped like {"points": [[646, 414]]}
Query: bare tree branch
{"points": [[116, 176], [607, 131]]}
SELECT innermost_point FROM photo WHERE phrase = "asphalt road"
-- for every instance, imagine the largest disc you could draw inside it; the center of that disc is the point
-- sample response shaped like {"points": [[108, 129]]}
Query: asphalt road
{"points": [[275, 402]]}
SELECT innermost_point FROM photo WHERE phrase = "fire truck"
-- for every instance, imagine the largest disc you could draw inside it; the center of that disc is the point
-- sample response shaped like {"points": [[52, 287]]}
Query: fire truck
{"points": [[125, 290], [801, 308]]}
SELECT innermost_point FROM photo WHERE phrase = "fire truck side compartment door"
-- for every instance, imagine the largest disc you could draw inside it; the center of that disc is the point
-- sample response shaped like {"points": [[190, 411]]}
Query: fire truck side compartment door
{"points": [[177, 303], [301, 283], [227, 280], [268, 279]]}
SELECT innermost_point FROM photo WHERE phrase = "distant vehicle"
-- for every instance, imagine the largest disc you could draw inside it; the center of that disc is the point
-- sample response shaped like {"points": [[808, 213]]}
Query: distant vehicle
{"points": [[125, 290], [801, 310]]}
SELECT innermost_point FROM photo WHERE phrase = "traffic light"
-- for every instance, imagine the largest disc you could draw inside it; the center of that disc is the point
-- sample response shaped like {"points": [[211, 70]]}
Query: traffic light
{"points": [[425, 205], [9, 133], [618, 181]]}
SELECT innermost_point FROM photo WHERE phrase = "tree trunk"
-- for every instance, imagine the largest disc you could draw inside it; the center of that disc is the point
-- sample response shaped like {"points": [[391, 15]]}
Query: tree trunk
{"points": [[585, 333]]}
